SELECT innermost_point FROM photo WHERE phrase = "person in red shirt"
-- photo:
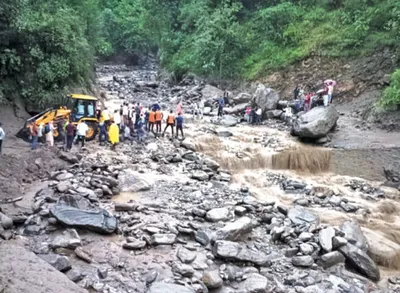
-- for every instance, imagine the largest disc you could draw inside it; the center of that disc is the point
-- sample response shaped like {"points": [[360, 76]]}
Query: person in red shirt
{"points": [[70, 130], [307, 102]]}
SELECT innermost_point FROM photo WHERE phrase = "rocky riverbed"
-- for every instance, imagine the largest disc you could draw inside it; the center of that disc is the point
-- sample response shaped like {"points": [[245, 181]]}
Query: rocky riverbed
{"points": [[211, 213]]}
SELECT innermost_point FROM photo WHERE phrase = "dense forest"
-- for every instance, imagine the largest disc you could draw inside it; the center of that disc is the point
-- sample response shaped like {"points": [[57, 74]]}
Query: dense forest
{"points": [[47, 46]]}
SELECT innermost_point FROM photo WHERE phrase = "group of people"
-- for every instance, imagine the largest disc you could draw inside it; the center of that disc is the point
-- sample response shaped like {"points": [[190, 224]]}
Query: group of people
{"points": [[304, 101], [253, 115], [41, 133]]}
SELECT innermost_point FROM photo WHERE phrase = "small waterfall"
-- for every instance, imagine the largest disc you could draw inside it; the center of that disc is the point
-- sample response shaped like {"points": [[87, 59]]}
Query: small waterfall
{"points": [[308, 159]]}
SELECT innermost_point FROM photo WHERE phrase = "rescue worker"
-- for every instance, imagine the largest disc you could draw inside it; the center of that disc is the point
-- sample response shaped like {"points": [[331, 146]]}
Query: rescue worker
{"points": [[34, 134], [221, 105], [113, 134], [82, 130], [125, 113], [170, 123], [159, 117], [146, 119], [140, 131], [103, 136], [137, 113], [117, 118], [152, 120], [106, 116], [179, 125]]}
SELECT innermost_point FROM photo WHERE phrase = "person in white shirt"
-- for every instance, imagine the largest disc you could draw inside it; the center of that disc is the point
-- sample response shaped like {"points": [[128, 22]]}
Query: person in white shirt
{"points": [[117, 118], [258, 113], [201, 108], [82, 130], [330, 92], [125, 113], [2, 136]]}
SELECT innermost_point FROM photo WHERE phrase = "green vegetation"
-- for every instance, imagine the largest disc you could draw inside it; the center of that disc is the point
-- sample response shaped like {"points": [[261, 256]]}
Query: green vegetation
{"points": [[48, 46], [391, 95]]}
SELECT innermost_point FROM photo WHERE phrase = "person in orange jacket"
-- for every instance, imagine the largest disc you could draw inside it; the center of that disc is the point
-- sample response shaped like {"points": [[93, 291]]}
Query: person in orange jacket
{"points": [[170, 123], [159, 117], [152, 120]]}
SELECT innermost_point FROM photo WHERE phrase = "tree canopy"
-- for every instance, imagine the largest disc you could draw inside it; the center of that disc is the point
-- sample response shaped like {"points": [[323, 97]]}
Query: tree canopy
{"points": [[47, 46]]}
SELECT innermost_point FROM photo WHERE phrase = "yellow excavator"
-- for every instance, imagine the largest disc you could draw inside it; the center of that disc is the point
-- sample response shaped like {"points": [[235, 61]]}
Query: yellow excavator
{"points": [[83, 109]]}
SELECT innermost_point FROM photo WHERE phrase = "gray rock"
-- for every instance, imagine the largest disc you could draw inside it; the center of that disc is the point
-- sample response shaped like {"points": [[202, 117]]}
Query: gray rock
{"points": [[316, 123], [306, 248], [23, 271], [224, 176], [63, 186], [242, 98], [211, 163], [125, 207], [360, 261], [202, 238], [59, 262], [348, 208], [306, 236], [188, 145], [218, 214], [235, 230], [186, 256], [239, 252], [190, 156], [199, 175], [325, 238], [212, 280], [129, 182], [338, 242], [335, 201], [330, 259], [274, 114], [304, 261], [75, 275], [98, 221], [163, 239], [70, 239], [228, 121], [151, 277], [255, 283], [199, 212], [354, 235], [135, 245], [240, 211], [5, 221], [223, 132], [160, 287], [237, 109], [300, 216], [183, 269], [210, 92], [64, 176], [265, 98]]}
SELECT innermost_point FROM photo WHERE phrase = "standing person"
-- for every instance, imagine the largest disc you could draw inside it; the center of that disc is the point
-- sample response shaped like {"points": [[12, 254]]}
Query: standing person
{"points": [[49, 129], [113, 134], [140, 131], [179, 125], [325, 96], [82, 129], [196, 110], [125, 113], [103, 137], [152, 120], [106, 116], [146, 119], [247, 114], [330, 92], [179, 107], [221, 104], [70, 134], [226, 97], [170, 123], [40, 131], [307, 102], [258, 116], [159, 117], [34, 135], [137, 113], [301, 98], [296, 92], [117, 118], [201, 108], [2, 136]]}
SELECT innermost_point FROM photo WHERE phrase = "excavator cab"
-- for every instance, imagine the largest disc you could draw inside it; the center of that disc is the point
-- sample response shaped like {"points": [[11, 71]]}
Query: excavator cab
{"points": [[83, 109]]}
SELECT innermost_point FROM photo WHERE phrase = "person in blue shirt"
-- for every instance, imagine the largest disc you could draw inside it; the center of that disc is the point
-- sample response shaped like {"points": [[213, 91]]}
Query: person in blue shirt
{"points": [[221, 104], [179, 125]]}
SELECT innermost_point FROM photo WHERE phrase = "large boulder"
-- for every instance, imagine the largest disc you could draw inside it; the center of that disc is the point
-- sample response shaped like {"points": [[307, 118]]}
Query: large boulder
{"points": [[239, 252], [316, 123], [265, 98], [129, 182], [238, 109], [210, 92], [98, 221], [228, 121], [354, 235], [300, 216], [242, 98], [22, 271], [360, 261]]}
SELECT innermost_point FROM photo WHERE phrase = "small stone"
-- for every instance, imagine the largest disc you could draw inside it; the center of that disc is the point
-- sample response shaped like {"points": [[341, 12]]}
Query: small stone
{"points": [[136, 245], [305, 236], [183, 269], [325, 238], [212, 280], [59, 262], [218, 214], [304, 261], [306, 248], [283, 210], [338, 241], [186, 256], [240, 211], [75, 275], [330, 259], [202, 238], [102, 272], [199, 212], [163, 239]]}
